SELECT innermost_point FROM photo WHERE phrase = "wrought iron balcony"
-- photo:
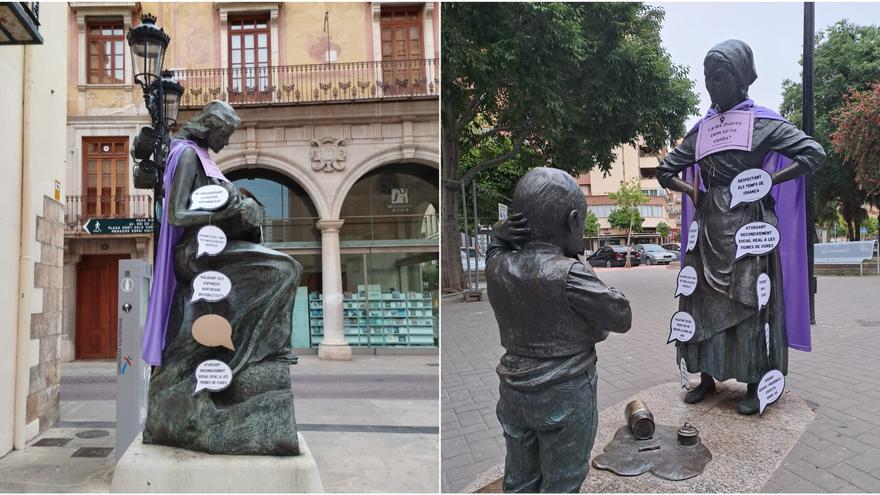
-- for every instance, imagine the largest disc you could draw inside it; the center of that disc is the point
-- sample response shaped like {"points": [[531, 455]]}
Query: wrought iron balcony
{"points": [[20, 23], [309, 84], [79, 209]]}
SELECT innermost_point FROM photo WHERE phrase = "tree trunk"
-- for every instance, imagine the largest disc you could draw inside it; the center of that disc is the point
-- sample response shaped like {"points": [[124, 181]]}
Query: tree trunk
{"points": [[453, 278]]}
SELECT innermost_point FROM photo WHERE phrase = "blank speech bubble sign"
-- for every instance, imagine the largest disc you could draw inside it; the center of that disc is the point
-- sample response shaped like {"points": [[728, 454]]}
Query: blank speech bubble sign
{"points": [[687, 281], [208, 197], [770, 388], [756, 238], [763, 289], [684, 377], [212, 375], [213, 331], [750, 186], [681, 327], [693, 231], [210, 286], [211, 240]]}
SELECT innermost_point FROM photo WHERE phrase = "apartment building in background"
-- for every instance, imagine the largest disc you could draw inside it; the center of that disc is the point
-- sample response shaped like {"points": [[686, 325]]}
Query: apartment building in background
{"points": [[631, 161], [339, 140]]}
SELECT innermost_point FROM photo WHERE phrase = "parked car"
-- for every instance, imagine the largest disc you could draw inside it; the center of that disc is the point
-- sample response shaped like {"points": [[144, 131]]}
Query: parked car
{"points": [[672, 246], [469, 253], [609, 256], [655, 254]]}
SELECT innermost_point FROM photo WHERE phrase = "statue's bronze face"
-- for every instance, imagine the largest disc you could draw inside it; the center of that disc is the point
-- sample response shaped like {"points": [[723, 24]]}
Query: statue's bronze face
{"points": [[722, 84], [218, 139]]}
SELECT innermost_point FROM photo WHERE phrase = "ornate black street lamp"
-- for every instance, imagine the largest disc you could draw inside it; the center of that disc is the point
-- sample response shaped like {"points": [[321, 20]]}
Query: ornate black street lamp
{"points": [[162, 98]]}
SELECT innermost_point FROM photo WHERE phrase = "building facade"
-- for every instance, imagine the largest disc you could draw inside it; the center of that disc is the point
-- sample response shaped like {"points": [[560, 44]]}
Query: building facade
{"points": [[339, 140], [32, 184], [631, 162]]}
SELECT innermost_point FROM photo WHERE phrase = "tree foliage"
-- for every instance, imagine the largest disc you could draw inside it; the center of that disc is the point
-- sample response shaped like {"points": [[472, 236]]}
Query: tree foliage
{"points": [[857, 136], [663, 230], [571, 81], [625, 214], [591, 225], [847, 59]]}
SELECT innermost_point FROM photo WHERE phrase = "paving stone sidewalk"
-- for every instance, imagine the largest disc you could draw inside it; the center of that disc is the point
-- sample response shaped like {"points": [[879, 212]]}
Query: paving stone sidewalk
{"points": [[840, 379]]}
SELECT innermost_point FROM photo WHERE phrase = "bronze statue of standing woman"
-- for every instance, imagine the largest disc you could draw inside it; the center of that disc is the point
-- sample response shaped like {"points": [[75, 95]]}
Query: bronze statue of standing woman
{"points": [[735, 336]]}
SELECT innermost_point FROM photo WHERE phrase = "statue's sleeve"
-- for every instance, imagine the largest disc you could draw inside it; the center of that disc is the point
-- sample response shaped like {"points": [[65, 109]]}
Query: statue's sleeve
{"points": [[601, 307], [680, 158], [793, 143]]}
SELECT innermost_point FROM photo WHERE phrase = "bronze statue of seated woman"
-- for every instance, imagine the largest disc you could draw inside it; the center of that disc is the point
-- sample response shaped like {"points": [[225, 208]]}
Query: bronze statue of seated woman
{"points": [[254, 413]]}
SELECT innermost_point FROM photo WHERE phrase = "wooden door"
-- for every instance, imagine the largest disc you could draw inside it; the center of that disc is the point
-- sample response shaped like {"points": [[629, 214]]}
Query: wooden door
{"points": [[401, 49], [97, 278]]}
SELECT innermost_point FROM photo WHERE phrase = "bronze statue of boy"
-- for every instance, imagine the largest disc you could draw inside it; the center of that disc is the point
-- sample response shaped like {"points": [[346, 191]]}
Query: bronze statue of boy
{"points": [[551, 311]]}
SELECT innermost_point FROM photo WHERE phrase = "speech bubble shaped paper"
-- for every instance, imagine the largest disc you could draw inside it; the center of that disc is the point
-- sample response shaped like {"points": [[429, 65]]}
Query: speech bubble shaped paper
{"points": [[210, 286], [687, 281], [208, 197], [681, 327], [684, 378], [750, 186], [693, 231], [212, 375], [763, 289], [756, 238], [211, 240], [770, 388], [213, 330]]}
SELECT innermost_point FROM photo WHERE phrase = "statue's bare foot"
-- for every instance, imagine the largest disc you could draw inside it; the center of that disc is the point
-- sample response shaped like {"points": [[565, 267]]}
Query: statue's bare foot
{"points": [[749, 405], [706, 387]]}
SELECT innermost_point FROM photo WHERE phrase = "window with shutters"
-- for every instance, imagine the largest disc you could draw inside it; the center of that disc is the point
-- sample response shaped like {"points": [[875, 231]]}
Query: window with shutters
{"points": [[105, 52], [402, 52], [105, 177], [249, 56]]}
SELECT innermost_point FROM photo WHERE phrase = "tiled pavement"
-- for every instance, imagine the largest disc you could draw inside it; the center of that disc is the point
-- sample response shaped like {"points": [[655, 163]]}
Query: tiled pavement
{"points": [[839, 452]]}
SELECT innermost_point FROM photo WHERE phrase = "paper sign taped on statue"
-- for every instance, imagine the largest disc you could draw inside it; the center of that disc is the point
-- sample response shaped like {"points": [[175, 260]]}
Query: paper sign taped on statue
{"points": [[730, 130]]}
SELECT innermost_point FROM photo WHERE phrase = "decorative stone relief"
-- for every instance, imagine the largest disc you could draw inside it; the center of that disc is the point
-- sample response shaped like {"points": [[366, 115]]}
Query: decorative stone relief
{"points": [[328, 154]]}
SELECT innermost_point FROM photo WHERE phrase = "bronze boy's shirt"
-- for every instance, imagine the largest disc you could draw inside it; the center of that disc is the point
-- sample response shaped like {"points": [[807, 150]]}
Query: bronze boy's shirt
{"points": [[551, 311]]}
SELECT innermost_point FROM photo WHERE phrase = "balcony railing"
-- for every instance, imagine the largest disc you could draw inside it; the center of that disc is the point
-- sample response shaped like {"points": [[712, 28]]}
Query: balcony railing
{"points": [[303, 84], [80, 209]]}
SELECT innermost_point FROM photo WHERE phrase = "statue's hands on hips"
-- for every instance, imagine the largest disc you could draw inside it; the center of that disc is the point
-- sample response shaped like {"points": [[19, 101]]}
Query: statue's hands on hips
{"points": [[514, 230]]}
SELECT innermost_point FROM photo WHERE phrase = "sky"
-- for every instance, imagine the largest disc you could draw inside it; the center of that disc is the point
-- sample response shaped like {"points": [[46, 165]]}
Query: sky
{"points": [[773, 30]]}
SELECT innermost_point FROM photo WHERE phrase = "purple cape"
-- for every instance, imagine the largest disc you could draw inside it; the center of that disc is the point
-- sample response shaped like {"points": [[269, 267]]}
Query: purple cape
{"points": [[164, 281], [790, 199]]}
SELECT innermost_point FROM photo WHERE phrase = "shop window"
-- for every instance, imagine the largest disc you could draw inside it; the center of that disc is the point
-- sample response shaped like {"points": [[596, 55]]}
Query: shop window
{"points": [[393, 202], [105, 52]]}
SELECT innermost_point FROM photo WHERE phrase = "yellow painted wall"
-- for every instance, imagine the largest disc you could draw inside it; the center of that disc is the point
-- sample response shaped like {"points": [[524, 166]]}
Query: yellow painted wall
{"points": [[306, 41], [194, 39]]}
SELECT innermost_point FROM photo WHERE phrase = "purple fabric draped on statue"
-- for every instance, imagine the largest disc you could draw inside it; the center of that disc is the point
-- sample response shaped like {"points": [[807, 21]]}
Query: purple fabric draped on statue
{"points": [[164, 281], [790, 199]]}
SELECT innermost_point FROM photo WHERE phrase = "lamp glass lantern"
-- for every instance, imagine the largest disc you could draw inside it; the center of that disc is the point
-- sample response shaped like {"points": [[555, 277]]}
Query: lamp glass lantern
{"points": [[147, 43], [172, 91]]}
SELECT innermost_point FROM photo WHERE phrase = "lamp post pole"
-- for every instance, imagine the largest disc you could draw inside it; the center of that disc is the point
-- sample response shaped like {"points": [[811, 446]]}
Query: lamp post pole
{"points": [[809, 129], [162, 99]]}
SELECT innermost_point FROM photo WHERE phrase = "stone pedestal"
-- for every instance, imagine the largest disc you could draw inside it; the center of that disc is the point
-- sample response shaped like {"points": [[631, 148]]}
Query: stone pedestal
{"points": [[158, 469], [746, 450]]}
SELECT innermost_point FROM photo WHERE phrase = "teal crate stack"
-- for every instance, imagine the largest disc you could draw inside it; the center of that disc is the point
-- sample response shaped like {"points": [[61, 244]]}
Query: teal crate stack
{"points": [[373, 317]]}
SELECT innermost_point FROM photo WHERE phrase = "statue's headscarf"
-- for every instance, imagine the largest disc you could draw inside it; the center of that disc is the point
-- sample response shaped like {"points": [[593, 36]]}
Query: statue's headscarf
{"points": [[738, 56]]}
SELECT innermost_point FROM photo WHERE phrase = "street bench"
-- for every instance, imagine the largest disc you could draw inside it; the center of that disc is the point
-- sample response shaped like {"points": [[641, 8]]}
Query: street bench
{"points": [[845, 253]]}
